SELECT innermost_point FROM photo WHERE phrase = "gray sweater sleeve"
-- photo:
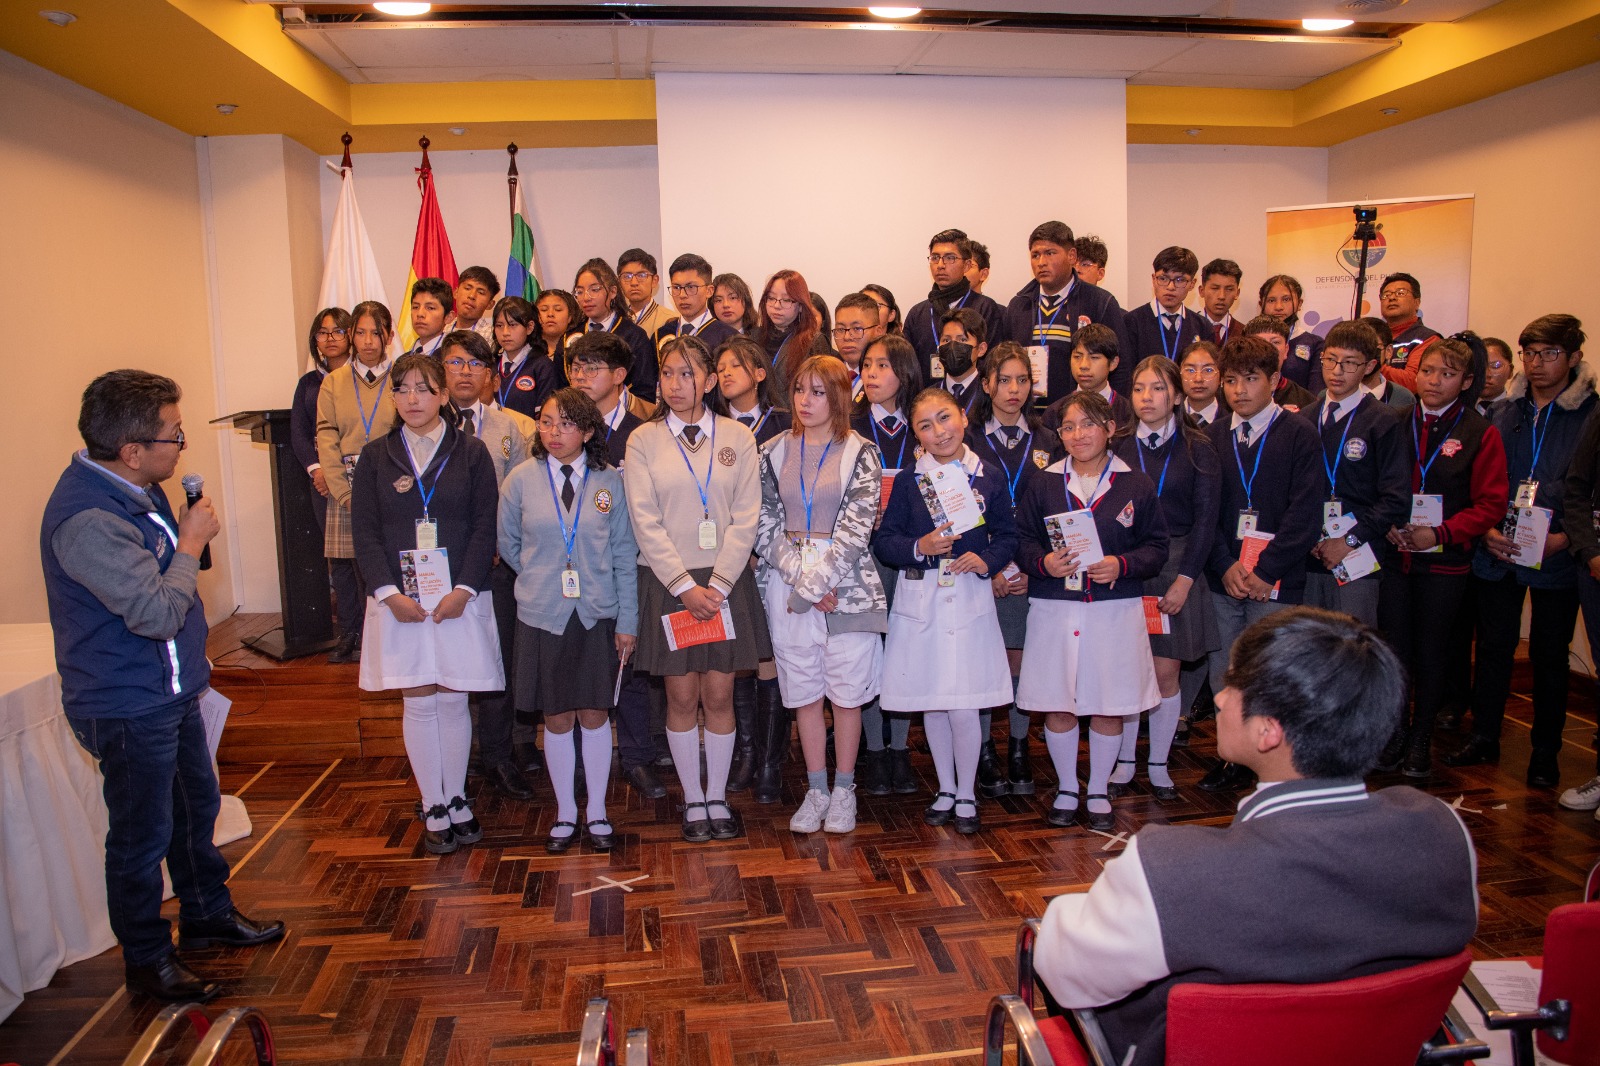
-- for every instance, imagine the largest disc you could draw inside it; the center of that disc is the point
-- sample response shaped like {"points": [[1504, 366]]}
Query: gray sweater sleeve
{"points": [[105, 554]]}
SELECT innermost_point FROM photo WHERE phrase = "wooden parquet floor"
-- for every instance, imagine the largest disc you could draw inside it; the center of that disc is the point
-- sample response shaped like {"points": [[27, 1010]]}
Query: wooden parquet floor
{"points": [[881, 946]]}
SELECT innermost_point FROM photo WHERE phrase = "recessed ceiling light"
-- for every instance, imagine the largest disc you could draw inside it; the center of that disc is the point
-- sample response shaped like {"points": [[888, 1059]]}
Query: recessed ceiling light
{"points": [[1193, 133], [404, 9], [59, 18], [1389, 111], [458, 130], [227, 109], [1316, 24], [895, 12]]}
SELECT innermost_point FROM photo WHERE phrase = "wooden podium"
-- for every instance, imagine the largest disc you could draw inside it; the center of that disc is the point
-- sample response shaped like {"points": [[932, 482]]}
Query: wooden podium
{"points": [[305, 601]]}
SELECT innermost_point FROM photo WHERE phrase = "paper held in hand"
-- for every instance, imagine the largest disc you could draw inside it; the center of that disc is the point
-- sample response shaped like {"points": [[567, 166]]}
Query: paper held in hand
{"points": [[425, 575], [684, 630], [1533, 527], [1251, 545], [1357, 565], [1155, 623], [1075, 531], [950, 498]]}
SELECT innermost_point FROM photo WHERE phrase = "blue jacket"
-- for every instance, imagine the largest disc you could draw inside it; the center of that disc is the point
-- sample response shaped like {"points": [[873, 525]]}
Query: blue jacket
{"points": [[120, 660]]}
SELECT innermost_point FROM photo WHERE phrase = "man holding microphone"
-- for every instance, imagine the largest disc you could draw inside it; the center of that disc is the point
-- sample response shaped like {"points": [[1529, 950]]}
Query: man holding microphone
{"points": [[130, 636]]}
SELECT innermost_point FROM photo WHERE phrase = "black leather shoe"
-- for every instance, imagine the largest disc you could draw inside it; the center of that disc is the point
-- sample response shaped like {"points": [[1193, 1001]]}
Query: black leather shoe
{"points": [[1164, 793], [1419, 755], [507, 780], [1227, 777], [1448, 722], [645, 782], [1120, 788], [557, 845], [170, 980], [345, 650], [437, 841], [1096, 820], [1061, 817], [1478, 751], [875, 773], [934, 816], [528, 758], [967, 824], [901, 777], [1544, 770], [601, 835], [469, 831], [1204, 706], [1394, 752], [1180, 738], [990, 784], [699, 830], [727, 826], [233, 931], [1019, 767]]}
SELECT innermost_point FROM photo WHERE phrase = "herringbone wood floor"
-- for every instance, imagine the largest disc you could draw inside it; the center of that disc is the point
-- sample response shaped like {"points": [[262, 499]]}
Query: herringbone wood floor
{"points": [[880, 946]]}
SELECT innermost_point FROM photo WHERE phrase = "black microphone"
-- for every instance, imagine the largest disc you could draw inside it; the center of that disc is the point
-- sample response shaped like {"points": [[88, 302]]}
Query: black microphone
{"points": [[193, 485]]}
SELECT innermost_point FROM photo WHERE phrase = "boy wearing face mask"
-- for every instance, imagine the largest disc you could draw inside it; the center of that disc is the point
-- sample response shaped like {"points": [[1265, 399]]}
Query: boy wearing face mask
{"points": [[963, 342]]}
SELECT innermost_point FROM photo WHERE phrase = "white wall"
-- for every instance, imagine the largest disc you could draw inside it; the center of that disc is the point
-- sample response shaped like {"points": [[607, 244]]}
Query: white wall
{"points": [[583, 202], [1211, 199], [844, 178]]}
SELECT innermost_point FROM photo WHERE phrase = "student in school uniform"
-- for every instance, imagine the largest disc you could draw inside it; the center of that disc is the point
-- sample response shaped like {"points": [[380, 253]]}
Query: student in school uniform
{"points": [[329, 344], [1540, 425], [599, 296], [423, 491], [1459, 492], [857, 323], [1290, 394], [1497, 378], [1166, 446], [694, 494], [890, 377], [949, 256], [978, 269], [1047, 313], [1096, 361], [1092, 258], [944, 655], [1280, 297], [1202, 383], [790, 330], [354, 408], [1088, 649], [689, 283], [1380, 387], [825, 603], [560, 321], [1005, 433], [888, 309], [963, 342], [639, 278], [474, 296], [527, 375], [432, 302], [733, 305], [1164, 326], [564, 525], [1219, 292], [1269, 487], [744, 377]]}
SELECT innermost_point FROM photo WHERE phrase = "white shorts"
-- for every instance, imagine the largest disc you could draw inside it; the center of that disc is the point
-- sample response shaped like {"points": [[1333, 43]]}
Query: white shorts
{"points": [[847, 668]]}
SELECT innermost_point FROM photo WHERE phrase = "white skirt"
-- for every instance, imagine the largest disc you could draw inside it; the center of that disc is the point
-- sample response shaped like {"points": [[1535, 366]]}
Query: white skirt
{"points": [[1087, 658], [944, 651], [461, 654], [812, 663]]}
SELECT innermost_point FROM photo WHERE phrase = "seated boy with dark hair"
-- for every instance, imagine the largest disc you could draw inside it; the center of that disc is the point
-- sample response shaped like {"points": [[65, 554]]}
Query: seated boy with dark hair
{"points": [[431, 305], [1164, 326], [1315, 880], [1275, 331]]}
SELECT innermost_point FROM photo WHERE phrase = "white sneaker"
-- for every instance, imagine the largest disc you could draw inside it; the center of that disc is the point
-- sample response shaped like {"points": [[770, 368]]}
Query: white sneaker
{"points": [[1585, 797], [808, 819], [842, 810]]}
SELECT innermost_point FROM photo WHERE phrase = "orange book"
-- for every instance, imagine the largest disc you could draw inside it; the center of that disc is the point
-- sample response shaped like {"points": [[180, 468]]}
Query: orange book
{"points": [[1156, 623], [684, 630], [1250, 549]]}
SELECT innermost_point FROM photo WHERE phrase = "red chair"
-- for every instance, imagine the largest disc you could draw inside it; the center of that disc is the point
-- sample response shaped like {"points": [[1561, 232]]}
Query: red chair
{"points": [[1388, 1019], [1567, 1024]]}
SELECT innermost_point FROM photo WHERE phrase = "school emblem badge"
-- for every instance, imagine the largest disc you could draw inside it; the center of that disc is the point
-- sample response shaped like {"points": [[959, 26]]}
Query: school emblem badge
{"points": [[1125, 519], [727, 456], [1083, 320], [403, 483], [1450, 447], [1041, 459], [602, 501], [525, 384], [505, 445], [1355, 449], [1303, 351]]}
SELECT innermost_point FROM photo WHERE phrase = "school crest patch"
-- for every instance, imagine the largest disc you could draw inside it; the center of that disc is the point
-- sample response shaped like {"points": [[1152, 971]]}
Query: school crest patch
{"points": [[1450, 447], [1355, 449], [505, 446], [602, 501], [1041, 458], [1125, 519], [1303, 351], [727, 456], [403, 483], [525, 384], [1083, 320]]}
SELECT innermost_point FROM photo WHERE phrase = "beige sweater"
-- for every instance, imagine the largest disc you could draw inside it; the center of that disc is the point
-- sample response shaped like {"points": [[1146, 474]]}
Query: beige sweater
{"points": [[340, 430]]}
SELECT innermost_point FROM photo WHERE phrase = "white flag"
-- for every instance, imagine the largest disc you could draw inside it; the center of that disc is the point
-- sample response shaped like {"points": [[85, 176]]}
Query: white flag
{"points": [[350, 271]]}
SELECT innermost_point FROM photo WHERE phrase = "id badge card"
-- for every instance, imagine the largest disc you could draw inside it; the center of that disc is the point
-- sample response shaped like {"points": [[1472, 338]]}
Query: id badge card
{"points": [[946, 578], [1331, 510], [708, 535], [1039, 363], [1427, 510], [569, 584], [1525, 493], [349, 464], [937, 371], [1074, 581], [427, 534], [1247, 522], [809, 555]]}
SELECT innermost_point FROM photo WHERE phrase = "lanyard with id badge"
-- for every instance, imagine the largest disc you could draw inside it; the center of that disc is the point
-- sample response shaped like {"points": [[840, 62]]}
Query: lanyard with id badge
{"points": [[707, 528], [810, 552], [1428, 509], [569, 538], [1334, 524], [1249, 516], [427, 527], [1074, 580]]}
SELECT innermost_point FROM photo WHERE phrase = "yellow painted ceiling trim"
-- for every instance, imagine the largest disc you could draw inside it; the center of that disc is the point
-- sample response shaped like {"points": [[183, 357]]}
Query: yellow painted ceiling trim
{"points": [[255, 32], [473, 102]]}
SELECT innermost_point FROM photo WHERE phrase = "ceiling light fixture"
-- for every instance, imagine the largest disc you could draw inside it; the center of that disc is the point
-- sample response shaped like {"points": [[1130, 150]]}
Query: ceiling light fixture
{"points": [[403, 9], [227, 109], [1389, 111], [458, 130], [895, 12], [1319, 24], [1193, 133], [58, 18]]}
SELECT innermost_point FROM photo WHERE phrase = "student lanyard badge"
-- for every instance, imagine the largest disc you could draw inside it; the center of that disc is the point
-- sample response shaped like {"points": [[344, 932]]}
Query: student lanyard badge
{"points": [[366, 419], [904, 433], [1013, 480], [1161, 485], [510, 377], [1074, 580], [1040, 324], [1333, 510], [1177, 336], [427, 528], [1529, 487], [708, 528], [933, 327], [1248, 516], [614, 419], [569, 538], [1428, 510], [810, 554]]}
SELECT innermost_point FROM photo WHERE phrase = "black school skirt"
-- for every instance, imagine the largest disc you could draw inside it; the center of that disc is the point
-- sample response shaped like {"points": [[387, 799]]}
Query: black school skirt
{"points": [[569, 671], [749, 646]]}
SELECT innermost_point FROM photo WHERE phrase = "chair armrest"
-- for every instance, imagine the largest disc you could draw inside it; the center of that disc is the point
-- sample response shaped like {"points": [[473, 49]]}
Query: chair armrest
{"points": [[1027, 935], [597, 1040], [1087, 1027], [1031, 1049], [1453, 1043], [638, 1048]]}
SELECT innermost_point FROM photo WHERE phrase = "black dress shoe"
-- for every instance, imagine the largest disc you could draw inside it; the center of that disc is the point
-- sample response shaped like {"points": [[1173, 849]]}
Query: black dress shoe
{"points": [[557, 845], [967, 824], [901, 777], [1164, 793], [1061, 817], [936, 817], [990, 784], [600, 839], [645, 782], [232, 931], [1419, 755], [1180, 738], [1204, 706], [507, 780], [170, 980], [1544, 771], [1227, 777], [528, 758], [437, 841], [469, 831], [727, 826], [1019, 767], [1097, 820], [875, 773], [345, 650], [1121, 788], [697, 831], [1477, 751], [1394, 751]]}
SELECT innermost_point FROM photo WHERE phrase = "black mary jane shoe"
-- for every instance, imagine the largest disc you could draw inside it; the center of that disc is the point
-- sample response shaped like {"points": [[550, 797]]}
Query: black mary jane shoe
{"points": [[469, 831], [232, 930], [557, 845], [724, 828], [936, 816], [597, 840], [1062, 817], [1164, 793], [967, 824], [438, 841], [697, 831], [1121, 788], [170, 981], [1102, 822]]}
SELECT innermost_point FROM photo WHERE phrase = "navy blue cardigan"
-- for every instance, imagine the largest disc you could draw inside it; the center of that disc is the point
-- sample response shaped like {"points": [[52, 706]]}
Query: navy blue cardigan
{"points": [[1024, 463], [1288, 501], [906, 520], [1141, 546], [1190, 492], [1084, 304]]}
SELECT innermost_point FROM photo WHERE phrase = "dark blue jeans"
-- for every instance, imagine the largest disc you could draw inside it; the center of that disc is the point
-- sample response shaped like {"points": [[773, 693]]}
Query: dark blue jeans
{"points": [[162, 797]]}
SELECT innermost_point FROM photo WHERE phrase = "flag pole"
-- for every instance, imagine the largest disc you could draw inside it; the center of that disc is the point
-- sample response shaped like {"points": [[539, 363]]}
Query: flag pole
{"points": [[345, 140], [511, 177], [426, 168]]}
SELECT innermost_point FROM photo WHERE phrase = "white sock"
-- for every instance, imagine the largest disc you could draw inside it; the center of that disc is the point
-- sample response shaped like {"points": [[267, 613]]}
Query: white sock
{"points": [[966, 730], [420, 727], [1063, 748], [1102, 753], [719, 757], [596, 770], [685, 748], [1126, 756], [561, 757], [936, 727], [1163, 727], [455, 747]]}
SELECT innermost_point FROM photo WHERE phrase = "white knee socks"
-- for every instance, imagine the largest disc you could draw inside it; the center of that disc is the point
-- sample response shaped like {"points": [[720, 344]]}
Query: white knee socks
{"points": [[1064, 757], [719, 757], [596, 770], [1125, 757], [936, 726], [455, 747], [1102, 753], [685, 747], [420, 727], [966, 732], [1163, 727], [562, 758]]}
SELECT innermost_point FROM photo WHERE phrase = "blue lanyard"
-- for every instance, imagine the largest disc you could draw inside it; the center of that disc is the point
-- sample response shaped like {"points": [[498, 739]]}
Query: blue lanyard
{"points": [[614, 418], [1013, 480], [1261, 441], [1422, 467], [1161, 326], [755, 430], [933, 317], [424, 492], [366, 419], [1066, 483], [711, 463], [807, 497], [1162, 484], [1039, 323], [567, 539], [1538, 438], [1333, 471], [511, 376], [903, 433]]}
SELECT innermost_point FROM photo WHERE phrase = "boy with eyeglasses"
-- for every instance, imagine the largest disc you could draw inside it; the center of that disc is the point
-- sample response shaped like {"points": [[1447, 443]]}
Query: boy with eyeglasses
{"points": [[689, 283], [855, 325], [949, 255], [1202, 392], [1046, 314], [1219, 292], [474, 296], [1400, 300], [636, 270], [1092, 258], [1164, 326]]}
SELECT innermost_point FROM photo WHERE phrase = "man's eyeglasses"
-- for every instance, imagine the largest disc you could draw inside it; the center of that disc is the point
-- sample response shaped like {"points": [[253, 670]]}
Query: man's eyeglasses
{"points": [[180, 440], [458, 364], [636, 275], [1172, 281], [855, 333], [1349, 366], [948, 258], [692, 289], [1542, 355], [324, 334]]}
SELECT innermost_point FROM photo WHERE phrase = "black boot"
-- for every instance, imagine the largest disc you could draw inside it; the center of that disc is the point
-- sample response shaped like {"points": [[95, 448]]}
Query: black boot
{"points": [[901, 779], [1395, 751], [875, 772], [744, 729], [1019, 767], [1419, 753], [772, 743], [990, 784]]}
